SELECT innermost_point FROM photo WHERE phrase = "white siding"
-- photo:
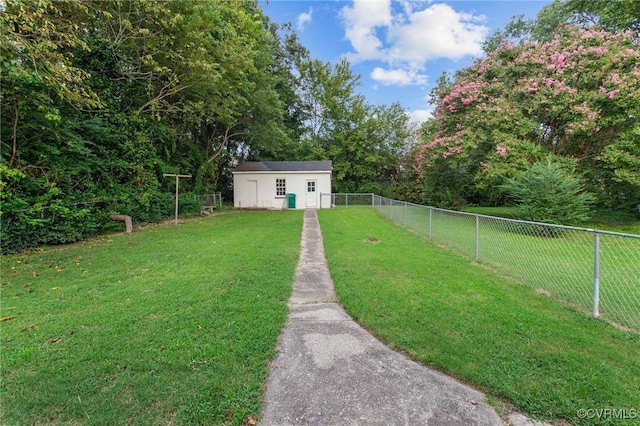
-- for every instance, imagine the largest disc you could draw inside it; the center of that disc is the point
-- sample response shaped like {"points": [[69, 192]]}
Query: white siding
{"points": [[266, 189]]}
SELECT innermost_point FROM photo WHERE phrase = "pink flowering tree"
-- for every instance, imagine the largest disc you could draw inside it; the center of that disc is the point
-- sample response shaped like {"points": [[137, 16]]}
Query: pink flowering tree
{"points": [[576, 96]]}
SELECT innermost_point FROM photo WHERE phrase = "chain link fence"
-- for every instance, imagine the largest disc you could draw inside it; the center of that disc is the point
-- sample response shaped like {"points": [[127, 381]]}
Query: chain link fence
{"points": [[597, 272], [349, 199], [209, 202]]}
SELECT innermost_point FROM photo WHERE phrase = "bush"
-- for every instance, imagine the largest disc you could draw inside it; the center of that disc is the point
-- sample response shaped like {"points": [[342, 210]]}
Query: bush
{"points": [[143, 208], [55, 224], [550, 192], [189, 206], [36, 212]]}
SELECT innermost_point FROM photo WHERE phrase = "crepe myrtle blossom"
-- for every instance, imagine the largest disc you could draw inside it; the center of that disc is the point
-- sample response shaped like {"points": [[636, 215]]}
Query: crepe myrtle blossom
{"points": [[502, 150], [571, 96]]}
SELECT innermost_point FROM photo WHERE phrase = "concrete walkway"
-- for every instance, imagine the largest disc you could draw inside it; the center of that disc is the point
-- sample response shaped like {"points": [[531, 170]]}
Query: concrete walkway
{"points": [[330, 371]]}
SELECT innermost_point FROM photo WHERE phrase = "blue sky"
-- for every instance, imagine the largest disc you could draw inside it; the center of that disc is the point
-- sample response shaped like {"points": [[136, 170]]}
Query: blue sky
{"points": [[399, 48]]}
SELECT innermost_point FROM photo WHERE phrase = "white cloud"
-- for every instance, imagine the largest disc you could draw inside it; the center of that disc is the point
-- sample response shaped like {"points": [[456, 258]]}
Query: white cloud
{"points": [[419, 116], [437, 32], [398, 77], [408, 6], [304, 18], [409, 36], [361, 22]]}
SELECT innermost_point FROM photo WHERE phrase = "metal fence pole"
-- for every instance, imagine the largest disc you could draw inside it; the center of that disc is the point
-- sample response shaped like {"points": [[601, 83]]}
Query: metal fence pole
{"points": [[430, 222], [405, 214], [596, 276], [477, 238], [373, 204]]}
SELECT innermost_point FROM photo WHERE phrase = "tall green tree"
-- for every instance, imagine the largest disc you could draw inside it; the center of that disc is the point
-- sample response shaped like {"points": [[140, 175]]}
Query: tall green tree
{"points": [[99, 99], [574, 96], [612, 16], [37, 42], [364, 142]]}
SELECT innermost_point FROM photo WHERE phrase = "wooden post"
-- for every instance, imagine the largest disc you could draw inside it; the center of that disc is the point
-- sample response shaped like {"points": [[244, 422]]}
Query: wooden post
{"points": [[124, 218], [177, 179]]}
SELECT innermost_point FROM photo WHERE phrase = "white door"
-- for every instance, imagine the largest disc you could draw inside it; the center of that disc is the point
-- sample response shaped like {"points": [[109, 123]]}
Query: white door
{"points": [[252, 193], [311, 198]]}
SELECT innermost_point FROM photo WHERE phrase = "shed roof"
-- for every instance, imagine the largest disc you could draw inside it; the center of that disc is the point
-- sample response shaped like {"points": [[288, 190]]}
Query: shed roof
{"points": [[284, 166]]}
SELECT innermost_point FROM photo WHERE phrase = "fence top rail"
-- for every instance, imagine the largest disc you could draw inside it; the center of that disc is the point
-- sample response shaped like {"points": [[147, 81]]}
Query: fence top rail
{"points": [[552, 225], [368, 194], [214, 194], [416, 205]]}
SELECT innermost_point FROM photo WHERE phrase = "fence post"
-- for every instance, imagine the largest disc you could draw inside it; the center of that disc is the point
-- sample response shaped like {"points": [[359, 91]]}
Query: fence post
{"points": [[596, 275], [430, 221], [373, 204], [405, 214], [477, 238]]}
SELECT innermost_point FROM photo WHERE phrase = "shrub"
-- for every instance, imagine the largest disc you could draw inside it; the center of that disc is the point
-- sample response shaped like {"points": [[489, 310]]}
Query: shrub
{"points": [[549, 191]]}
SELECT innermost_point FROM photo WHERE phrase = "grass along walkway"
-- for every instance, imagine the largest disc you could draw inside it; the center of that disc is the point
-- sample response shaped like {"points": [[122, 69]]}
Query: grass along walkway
{"points": [[562, 266], [546, 359], [169, 325]]}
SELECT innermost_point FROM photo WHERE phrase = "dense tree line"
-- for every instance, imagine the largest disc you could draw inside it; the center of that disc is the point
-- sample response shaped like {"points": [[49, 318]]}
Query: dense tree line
{"points": [[562, 90], [100, 99]]}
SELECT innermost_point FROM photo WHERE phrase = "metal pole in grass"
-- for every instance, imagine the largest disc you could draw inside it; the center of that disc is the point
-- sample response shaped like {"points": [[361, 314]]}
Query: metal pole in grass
{"points": [[477, 238], [405, 214], [430, 221], [596, 276], [373, 203], [177, 179]]}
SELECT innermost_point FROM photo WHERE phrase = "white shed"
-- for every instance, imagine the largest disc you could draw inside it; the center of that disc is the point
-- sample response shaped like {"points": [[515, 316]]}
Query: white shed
{"points": [[282, 184]]}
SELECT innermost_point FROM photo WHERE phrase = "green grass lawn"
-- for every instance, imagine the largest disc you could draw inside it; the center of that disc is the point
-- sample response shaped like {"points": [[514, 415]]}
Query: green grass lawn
{"points": [[545, 358], [177, 324], [562, 266], [168, 325]]}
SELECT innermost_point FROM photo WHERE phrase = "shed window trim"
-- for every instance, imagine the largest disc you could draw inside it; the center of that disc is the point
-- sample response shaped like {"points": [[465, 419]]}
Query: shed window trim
{"points": [[281, 187]]}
